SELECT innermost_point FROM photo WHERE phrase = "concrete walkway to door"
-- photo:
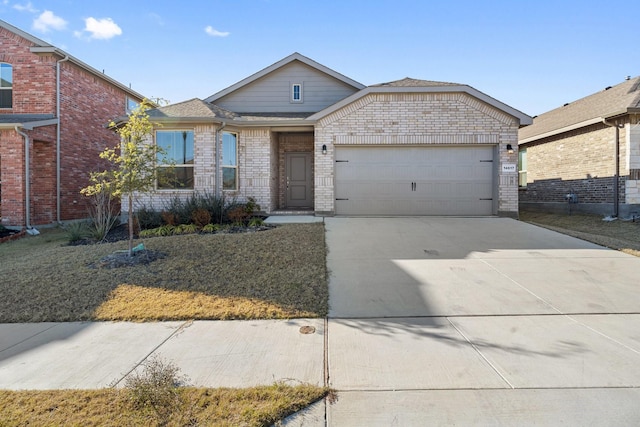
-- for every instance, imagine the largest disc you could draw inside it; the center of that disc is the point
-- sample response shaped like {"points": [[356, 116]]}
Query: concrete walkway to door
{"points": [[473, 321]]}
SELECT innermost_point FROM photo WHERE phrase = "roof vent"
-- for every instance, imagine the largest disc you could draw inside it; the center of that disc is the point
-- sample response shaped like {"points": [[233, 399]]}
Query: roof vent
{"points": [[628, 78], [565, 104], [607, 88]]}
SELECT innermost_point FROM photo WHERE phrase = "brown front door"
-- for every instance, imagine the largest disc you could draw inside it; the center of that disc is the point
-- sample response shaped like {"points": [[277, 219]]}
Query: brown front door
{"points": [[299, 180]]}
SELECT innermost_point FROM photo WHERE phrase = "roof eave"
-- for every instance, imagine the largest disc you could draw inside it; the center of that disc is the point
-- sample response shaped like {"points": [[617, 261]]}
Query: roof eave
{"points": [[595, 120], [52, 50], [29, 125]]}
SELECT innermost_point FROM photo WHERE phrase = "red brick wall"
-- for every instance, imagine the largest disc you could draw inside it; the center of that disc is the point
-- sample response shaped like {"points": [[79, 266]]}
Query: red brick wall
{"points": [[88, 104]]}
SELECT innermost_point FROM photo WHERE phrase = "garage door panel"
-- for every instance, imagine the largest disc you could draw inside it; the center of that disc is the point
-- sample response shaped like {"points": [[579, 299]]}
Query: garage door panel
{"points": [[414, 180]]}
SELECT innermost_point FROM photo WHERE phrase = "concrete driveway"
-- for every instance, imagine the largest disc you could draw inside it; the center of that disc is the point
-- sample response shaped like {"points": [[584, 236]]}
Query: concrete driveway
{"points": [[479, 321]]}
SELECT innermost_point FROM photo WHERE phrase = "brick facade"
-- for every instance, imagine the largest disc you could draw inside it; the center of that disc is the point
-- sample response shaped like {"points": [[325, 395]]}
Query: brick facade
{"points": [[416, 119], [88, 103], [582, 162]]}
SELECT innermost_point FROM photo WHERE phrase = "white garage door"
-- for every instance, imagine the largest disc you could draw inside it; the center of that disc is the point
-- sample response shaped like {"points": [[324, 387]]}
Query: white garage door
{"points": [[442, 180]]}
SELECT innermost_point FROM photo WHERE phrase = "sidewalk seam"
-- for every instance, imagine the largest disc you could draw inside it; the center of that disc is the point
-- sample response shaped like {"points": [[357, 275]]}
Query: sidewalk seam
{"points": [[178, 330]]}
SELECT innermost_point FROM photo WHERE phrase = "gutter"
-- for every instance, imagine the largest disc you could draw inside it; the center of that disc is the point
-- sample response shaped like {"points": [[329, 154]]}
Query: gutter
{"points": [[616, 177], [58, 180], [27, 183]]}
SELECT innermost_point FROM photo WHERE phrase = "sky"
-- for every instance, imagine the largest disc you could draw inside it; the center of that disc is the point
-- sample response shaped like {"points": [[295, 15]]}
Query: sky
{"points": [[531, 55]]}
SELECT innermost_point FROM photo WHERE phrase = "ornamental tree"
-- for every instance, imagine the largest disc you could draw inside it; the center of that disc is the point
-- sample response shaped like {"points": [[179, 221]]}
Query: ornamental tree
{"points": [[133, 163]]}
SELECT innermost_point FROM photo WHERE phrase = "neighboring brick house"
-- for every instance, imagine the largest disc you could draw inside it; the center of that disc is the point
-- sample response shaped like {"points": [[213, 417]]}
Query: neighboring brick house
{"points": [[586, 148], [298, 136], [53, 115]]}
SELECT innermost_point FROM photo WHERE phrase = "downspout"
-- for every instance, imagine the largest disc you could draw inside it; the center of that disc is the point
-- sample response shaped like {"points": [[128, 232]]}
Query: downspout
{"points": [[58, 181], [27, 183], [218, 179], [616, 177]]}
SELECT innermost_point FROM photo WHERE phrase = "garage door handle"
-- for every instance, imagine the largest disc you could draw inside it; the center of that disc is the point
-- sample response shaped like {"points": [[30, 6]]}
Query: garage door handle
{"points": [[413, 186]]}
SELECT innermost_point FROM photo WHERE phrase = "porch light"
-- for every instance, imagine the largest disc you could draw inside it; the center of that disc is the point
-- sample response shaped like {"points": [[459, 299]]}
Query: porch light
{"points": [[509, 149], [324, 148]]}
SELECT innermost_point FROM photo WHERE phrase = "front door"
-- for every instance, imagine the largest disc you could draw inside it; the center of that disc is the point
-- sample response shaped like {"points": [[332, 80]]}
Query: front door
{"points": [[299, 180]]}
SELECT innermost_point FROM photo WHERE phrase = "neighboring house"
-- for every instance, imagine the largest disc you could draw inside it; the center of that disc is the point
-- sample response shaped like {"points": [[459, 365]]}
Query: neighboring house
{"points": [[53, 115], [298, 136], [589, 148]]}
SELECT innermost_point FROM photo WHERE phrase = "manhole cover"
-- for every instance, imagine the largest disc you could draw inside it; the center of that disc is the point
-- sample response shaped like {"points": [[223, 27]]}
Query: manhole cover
{"points": [[307, 330]]}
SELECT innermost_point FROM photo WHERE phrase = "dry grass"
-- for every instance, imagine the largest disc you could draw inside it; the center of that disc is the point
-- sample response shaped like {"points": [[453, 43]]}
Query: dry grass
{"points": [[620, 235], [278, 273], [258, 406]]}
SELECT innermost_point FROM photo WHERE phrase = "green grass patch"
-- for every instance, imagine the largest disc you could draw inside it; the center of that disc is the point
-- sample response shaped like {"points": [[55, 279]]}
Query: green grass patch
{"points": [[277, 273]]}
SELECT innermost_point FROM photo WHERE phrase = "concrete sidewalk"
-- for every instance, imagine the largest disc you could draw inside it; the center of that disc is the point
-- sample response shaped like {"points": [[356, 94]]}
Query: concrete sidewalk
{"points": [[81, 355]]}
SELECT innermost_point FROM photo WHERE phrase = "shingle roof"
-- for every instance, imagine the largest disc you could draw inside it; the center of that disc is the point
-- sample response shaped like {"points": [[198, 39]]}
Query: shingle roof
{"points": [[194, 109], [611, 101], [409, 82], [24, 118]]}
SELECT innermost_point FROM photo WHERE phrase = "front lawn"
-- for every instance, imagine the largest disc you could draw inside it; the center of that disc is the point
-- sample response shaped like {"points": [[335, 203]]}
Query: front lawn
{"points": [[277, 273]]}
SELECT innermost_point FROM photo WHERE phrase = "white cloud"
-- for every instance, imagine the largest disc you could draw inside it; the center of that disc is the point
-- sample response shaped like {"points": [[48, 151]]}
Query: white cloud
{"points": [[101, 29], [24, 7], [156, 18], [48, 21], [215, 33]]}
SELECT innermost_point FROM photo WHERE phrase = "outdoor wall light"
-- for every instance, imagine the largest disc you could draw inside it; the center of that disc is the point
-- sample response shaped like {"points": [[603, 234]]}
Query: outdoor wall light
{"points": [[324, 148], [509, 149]]}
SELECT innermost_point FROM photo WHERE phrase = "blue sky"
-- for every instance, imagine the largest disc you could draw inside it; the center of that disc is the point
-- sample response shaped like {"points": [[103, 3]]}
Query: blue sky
{"points": [[531, 55]]}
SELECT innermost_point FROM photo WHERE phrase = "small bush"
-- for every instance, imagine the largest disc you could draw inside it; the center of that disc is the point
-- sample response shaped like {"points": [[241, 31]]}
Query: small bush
{"points": [[76, 231], [185, 229], [156, 388], [103, 210], [201, 217], [148, 218], [256, 222], [169, 218], [238, 215], [211, 228]]}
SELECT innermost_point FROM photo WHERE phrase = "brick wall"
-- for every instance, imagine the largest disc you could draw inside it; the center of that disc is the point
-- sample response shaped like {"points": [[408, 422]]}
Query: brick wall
{"points": [[88, 103], [581, 162], [415, 119]]}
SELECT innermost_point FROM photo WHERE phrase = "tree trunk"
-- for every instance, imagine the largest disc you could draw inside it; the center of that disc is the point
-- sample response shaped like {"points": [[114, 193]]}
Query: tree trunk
{"points": [[130, 224]]}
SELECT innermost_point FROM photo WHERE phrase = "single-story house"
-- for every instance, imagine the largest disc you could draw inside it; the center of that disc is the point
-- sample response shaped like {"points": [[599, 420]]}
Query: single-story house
{"points": [[54, 110], [585, 155], [298, 136]]}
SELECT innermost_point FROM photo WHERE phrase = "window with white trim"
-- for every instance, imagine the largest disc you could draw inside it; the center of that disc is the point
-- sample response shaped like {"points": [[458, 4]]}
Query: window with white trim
{"points": [[229, 161], [296, 92], [6, 85], [132, 104], [175, 165], [522, 167]]}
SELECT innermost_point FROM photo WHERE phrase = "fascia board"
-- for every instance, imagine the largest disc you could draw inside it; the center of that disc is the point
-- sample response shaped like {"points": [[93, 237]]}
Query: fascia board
{"points": [[52, 50], [561, 130], [29, 125]]}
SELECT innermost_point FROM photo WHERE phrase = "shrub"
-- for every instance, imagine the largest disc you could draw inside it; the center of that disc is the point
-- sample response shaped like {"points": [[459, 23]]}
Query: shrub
{"points": [[169, 218], [156, 388], [256, 222], [238, 215], [201, 217], [103, 211], [185, 229], [76, 231], [148, 218], [211, 228]]}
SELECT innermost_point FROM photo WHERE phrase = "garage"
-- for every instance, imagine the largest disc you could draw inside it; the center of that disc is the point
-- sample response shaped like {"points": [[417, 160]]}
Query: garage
{"points": [[415, 180]]}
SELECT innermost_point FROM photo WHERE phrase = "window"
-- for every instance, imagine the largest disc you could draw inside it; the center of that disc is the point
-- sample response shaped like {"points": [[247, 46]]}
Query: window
{"points": [[296, 92], [175, 165], [132, 104], [522, 167], [229, 161], [6, 85]]}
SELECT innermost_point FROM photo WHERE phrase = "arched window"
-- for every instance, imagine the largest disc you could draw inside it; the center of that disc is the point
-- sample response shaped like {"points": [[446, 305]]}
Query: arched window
{"points": [[6, 85]]}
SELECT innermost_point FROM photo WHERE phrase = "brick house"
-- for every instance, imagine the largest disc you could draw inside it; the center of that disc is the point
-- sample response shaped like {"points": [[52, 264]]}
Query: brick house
{"points": [[53, 113], [298, 136], [589, 148]]}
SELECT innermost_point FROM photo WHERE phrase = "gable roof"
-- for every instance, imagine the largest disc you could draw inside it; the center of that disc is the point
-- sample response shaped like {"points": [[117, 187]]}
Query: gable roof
{"points": [[291, 58], [409, 85], [42, 47], [613, 101]]}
